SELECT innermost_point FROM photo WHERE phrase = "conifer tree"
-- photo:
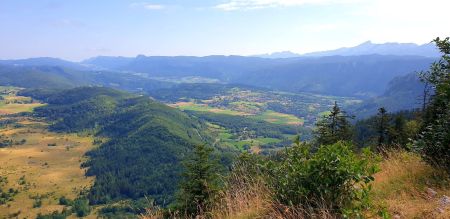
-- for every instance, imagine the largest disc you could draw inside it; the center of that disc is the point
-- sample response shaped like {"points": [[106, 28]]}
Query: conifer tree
{"points": [[397, 131], [200, 182], [334, 127], [382, 127]]}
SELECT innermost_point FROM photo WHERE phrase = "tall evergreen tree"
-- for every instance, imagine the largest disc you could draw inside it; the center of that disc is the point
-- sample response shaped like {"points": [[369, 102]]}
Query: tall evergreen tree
{"points": [[200, 182], [334, 127], [382, 126], [435, 136], [397, 131]]}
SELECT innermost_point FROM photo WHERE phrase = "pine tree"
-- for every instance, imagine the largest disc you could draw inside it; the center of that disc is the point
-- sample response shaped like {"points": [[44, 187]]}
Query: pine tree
{"points": [[200, 182], [382, 127], [334, 127], [397, 131]]}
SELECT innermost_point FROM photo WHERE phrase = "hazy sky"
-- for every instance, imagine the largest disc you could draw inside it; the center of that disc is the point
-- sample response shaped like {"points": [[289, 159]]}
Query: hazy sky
{"points": [[78, 29]]}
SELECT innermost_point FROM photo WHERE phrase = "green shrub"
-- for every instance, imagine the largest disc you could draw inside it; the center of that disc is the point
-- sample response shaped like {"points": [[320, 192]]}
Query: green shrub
{"points": [[81, 207], [65, 201], [55, 215], [37, 203], [334, 176]]}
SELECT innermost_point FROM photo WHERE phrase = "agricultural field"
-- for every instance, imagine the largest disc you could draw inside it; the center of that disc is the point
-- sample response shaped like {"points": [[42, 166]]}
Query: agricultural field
{"points": [[10, 103], [244, 141], [302, 109], [279, 118], [250, 109], [191, 106], [37, 167]]}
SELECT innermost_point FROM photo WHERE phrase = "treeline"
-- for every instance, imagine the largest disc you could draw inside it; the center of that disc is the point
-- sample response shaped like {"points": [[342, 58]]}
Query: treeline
{"points": [[395, 129]]}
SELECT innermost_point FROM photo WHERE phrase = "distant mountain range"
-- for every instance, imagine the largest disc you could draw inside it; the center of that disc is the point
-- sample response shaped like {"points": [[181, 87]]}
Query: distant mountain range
{"points": [[363, 71], [361, 76], [367, 48]]}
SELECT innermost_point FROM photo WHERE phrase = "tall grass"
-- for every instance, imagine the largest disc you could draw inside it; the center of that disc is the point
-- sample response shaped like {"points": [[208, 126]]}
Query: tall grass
{"points": [[246, 196], [401, 186]]}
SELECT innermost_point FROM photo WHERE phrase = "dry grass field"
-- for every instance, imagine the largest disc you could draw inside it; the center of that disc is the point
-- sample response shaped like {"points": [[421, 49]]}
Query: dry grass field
{"points": [[10, 103], [47, 164], [16, 108], [401, 187]]}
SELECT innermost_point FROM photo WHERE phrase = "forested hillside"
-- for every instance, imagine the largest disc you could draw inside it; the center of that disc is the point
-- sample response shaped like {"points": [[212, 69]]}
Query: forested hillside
{"points": [[362, 76], [403, 93], [146, 140], [39, 77], [56, 75]]}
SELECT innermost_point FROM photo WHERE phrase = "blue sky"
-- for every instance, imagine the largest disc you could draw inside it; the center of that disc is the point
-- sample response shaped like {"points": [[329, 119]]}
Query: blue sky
{"points": [[79, 29]]}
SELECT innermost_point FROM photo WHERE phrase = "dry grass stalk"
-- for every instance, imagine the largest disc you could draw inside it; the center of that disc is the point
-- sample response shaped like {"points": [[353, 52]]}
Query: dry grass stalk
{"points": [[401, 186], [245, 196], [280, 211]]}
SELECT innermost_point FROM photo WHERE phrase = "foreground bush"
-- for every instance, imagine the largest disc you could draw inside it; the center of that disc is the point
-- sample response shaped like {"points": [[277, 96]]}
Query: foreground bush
{"points": [[332, 182], [297, 183], [333, 178]]}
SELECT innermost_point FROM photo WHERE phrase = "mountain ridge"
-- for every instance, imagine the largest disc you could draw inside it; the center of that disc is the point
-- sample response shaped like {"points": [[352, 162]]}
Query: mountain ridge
{"points": [[365, 48], [389, 48]]}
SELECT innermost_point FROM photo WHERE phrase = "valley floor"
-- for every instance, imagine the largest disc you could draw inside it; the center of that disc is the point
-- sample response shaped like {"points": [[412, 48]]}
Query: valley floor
{"points": [[41, 165]]}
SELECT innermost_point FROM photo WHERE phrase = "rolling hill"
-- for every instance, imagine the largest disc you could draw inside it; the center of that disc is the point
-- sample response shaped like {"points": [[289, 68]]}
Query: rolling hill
{"points": [[49, 76], [146, 140]]}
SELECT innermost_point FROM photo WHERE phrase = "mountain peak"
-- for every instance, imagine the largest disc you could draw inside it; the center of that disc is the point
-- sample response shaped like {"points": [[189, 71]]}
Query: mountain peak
{"points": [[393, 48], [368, 42]]}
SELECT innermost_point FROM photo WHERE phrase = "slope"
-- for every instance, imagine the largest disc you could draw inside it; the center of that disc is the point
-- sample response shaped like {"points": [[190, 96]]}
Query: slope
{"points": [[59, 76], [403, 93], [146, 142]]}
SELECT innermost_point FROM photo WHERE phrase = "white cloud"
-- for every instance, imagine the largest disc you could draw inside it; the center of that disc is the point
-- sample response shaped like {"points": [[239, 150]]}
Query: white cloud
{"points": [[153, 7], [148, 6], [233, 5]]}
